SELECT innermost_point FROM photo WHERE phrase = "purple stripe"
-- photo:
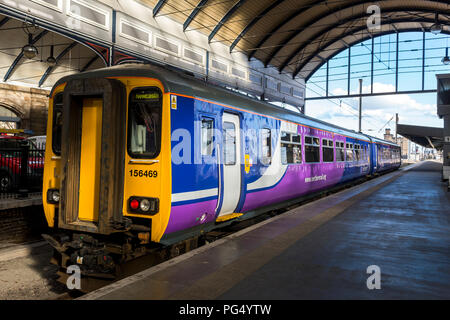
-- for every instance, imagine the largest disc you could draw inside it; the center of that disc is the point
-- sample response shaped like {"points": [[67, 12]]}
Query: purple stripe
{"points": [[189, 215], [293, 185]]}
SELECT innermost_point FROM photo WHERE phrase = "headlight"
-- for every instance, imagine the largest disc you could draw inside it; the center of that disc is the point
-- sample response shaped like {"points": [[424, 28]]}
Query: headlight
{"points": [[148, 206], [53, 196], [145, 205]]}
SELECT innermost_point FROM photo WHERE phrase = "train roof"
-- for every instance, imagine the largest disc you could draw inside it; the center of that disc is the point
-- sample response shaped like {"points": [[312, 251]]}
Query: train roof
{"points": [[185, 83], [378, 140]]}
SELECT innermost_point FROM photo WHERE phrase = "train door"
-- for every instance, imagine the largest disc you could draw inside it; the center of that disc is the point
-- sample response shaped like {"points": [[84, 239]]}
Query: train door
{"points": [[231, 177], [375, 157], [91, 132], [93, 161]]}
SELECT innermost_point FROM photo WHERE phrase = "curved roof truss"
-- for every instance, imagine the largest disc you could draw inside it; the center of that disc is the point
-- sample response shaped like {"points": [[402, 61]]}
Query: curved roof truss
{"points": [[296, 36], [322, 47], [71, 55]]}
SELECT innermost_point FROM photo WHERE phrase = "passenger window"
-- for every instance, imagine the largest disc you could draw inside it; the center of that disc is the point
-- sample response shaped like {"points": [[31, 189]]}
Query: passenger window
{"points": [[380, 154], [312, 149], [291, 148], [340, 151], [207, 136], [327, 150], [357, 152], [229, 143], [57, 123], [285, 136], [266, 142], [349, 152], [144, 123]]}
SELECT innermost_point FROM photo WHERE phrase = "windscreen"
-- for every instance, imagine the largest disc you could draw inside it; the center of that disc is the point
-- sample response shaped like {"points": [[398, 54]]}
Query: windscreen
{"points": [[144, 122]]}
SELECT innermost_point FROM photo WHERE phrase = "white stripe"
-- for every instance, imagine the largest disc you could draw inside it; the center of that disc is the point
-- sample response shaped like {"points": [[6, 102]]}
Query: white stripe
{"points": [[273, 173], [193, 195]]}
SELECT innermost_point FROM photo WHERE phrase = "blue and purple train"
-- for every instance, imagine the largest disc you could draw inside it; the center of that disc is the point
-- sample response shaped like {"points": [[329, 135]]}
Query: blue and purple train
{"points": [[157, 156]]}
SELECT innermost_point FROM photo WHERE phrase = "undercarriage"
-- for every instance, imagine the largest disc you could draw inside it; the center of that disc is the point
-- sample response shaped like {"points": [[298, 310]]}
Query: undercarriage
{"points": [[104, 259]]}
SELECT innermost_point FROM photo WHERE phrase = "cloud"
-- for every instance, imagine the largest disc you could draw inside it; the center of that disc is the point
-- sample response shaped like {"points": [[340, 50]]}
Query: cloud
{"points": [[377, 110]]}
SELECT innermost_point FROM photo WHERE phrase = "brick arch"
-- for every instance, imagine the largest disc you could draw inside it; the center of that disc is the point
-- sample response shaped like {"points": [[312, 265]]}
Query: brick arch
{"points": [[18, 111], [29, 104]]}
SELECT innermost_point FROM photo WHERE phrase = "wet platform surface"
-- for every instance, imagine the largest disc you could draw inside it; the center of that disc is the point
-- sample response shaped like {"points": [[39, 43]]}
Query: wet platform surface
{"points": [[399, 222]]}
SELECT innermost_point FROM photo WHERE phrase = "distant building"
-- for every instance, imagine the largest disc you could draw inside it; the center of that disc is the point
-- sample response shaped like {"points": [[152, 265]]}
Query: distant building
{"points": [[401, 141], [404, 146], [388, 136]]}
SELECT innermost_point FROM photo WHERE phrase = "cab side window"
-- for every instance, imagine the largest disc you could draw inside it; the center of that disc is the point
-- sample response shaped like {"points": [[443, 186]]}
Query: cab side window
{"points": [[207, 136], [57, 123]]}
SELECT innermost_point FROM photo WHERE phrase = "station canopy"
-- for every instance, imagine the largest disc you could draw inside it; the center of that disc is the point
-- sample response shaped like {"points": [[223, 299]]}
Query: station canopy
{"points": [[69, 56], [297, 36], [428, 137], [294, 36]]}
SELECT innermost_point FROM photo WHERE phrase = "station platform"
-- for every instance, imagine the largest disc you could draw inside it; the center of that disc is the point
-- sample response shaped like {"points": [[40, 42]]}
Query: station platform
{"points": [[321, 250], [14, 201]]}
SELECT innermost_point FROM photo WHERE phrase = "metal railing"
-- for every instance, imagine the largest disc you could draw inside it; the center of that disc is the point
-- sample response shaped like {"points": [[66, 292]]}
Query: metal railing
{"points": [[21, 168]]}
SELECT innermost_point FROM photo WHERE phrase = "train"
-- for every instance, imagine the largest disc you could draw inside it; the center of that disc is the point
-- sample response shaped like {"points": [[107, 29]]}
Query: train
{"points": [[143, 155]]}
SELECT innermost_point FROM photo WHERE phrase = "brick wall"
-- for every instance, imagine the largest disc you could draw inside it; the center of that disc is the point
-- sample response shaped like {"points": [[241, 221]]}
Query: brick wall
{"points": [[22, 224], [30, 105]]}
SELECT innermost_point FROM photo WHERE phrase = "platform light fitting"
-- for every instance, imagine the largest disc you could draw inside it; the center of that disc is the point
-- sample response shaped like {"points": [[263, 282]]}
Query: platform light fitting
{"points": [[436, 28], [29, 50], [446, 59], [51, 61]]}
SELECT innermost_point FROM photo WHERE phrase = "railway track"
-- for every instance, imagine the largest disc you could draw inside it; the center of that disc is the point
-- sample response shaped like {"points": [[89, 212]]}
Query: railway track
{"points": [[167, 253]]}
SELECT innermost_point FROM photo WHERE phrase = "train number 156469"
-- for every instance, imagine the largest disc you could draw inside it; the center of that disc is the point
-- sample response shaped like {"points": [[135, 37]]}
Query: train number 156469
{"points": [[143, 173]]}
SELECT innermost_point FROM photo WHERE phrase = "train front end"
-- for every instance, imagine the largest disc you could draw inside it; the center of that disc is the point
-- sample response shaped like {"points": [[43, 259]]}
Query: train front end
{"points": [[106, 190]]}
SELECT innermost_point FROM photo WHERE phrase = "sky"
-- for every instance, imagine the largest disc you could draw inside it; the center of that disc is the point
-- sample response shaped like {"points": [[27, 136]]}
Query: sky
{"points": [[413, 109]]}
